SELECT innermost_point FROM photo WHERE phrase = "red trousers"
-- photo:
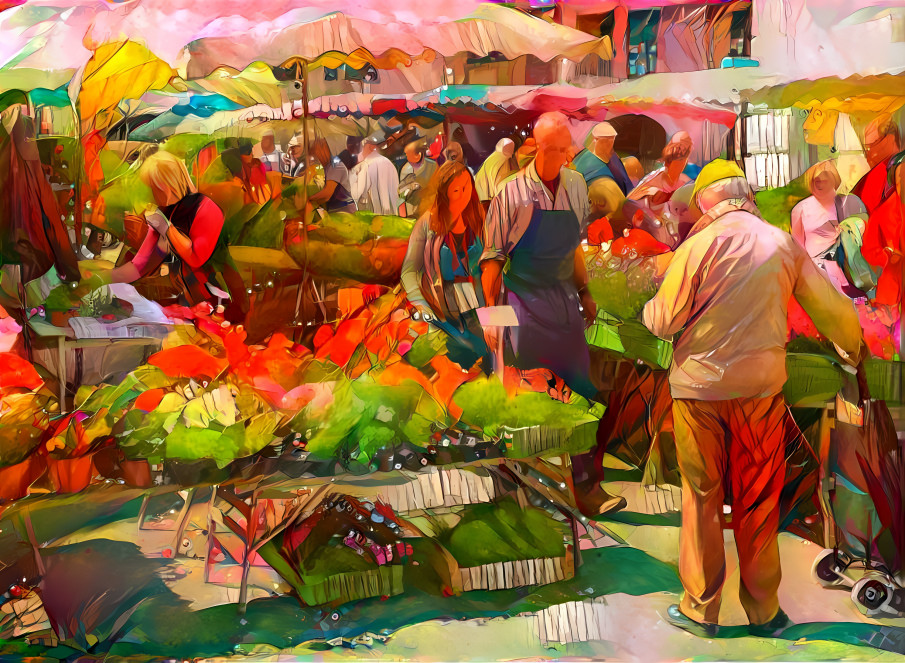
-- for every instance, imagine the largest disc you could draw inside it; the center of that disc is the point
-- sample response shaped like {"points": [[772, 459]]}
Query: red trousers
{"points": [[731, 449]]}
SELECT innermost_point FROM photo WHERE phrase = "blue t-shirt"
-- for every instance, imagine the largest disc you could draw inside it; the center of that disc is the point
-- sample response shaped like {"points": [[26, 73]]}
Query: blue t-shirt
{"points": [[593, 168]]}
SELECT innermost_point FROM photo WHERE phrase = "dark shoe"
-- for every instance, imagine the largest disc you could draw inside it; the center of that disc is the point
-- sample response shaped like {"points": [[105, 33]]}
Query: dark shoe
{"points": [[701, 629], [773, 628]]}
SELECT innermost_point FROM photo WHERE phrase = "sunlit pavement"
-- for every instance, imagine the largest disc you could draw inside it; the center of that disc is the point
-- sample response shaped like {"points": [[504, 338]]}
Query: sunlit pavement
{"points": [[625, 628]]}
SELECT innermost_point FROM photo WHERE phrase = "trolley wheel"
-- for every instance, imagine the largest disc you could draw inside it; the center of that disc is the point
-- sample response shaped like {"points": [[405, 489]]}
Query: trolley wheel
{"points": [[873, 594], [829, 568]]}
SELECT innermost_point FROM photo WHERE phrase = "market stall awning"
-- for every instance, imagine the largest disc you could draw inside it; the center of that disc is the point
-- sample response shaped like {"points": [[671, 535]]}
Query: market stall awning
{"points": [[578, 102], [856, 94], [204, 36], [489, 30]]}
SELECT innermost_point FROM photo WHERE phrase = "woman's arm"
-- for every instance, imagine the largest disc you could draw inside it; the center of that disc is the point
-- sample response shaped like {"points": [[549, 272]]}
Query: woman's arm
{"points": [[413, 265], [148, 258], [198, 246]]}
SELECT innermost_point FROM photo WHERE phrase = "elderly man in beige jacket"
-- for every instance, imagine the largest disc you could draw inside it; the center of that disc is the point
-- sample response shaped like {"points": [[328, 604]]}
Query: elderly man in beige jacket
{"points": [[725, 294]]}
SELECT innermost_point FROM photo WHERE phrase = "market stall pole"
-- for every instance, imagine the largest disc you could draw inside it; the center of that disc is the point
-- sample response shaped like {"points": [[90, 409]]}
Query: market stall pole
{"points": [[302, 68]]}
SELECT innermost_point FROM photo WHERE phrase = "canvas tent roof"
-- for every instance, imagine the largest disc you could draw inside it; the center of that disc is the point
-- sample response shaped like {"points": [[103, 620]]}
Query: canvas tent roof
{"points": [[203, 36]]}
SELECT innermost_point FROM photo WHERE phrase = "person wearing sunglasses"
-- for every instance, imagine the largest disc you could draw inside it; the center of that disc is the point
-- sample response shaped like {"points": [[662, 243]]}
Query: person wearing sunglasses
{"points": [[882, 191]]}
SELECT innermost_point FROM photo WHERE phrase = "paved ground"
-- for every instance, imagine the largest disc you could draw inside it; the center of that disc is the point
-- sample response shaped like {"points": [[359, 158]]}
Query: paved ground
{"points": [[611, 627]]}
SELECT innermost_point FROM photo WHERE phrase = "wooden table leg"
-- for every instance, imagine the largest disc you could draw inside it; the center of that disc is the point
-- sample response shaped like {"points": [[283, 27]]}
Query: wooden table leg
{"points": [[61, 371]]}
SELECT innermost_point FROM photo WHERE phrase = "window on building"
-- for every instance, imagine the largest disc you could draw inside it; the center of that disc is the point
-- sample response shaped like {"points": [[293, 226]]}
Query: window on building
{"points": [[740, 33], [767, 160], [642, 41], [608, 26], [368, 74], [492, 69], [346, 73], [490, 58], [590, 23], [593, 67]]}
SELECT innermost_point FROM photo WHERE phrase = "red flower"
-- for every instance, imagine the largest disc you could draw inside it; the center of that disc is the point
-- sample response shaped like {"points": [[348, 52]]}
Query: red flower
{"points": [[149, 399], [17, 372], [187, 361], [600, 231], [638, 244], [371, 292]]}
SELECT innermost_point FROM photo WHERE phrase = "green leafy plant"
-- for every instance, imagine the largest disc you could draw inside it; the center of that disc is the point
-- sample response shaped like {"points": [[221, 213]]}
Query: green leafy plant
{"points": [[501, 532], [486, 406]]}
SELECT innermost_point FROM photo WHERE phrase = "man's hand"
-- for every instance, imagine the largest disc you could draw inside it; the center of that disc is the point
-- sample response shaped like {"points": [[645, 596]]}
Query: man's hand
{"points": [[492, 338], [588, 306], [660, 197]]}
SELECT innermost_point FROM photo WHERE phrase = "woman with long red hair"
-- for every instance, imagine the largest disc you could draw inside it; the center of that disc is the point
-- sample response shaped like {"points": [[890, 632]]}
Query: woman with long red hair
{"points": [[441, 273]]}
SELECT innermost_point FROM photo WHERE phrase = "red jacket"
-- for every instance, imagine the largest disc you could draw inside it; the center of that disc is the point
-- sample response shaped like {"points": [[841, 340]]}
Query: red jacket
{"points": [[885, 229]]}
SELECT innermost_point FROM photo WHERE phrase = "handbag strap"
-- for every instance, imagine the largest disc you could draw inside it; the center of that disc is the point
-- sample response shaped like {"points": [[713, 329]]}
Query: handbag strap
{"points": [[839, 214]]}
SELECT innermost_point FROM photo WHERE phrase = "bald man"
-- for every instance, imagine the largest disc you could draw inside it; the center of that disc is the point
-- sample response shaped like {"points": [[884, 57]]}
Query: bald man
{"points": [[534, 227], [536, 223], [374, 181], [415, 176]]}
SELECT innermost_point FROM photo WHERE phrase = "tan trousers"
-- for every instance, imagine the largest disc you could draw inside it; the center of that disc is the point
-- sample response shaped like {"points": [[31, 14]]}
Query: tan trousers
{"points": [[733, 449]]}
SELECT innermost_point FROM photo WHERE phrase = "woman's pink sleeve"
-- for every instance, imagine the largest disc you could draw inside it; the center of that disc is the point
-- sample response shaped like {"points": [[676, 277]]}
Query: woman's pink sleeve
{"points": [[143, 260]]}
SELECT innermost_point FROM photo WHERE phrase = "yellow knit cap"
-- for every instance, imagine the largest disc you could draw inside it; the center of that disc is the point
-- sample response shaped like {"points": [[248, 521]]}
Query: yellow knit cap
{"points": [[716, 170]]}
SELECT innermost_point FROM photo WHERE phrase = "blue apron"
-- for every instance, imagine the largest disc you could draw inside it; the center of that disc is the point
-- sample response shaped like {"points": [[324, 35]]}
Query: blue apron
{"points": [[539, 285]]}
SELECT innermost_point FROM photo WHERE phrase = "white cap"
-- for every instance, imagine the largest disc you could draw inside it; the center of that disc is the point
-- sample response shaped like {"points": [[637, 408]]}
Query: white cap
{"points": [[504, 142], [603, 130], [295, 140]]}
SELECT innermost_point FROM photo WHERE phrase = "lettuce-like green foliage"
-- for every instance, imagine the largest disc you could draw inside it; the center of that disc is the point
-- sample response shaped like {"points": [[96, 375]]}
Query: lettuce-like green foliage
{"points": [[366, 416], [776, 205], [613, 295], [490, 533], [486, 405]]}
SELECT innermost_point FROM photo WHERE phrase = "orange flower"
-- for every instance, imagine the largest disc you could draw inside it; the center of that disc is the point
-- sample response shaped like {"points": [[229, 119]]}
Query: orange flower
{"points": [[17, 372], [187, 361]]}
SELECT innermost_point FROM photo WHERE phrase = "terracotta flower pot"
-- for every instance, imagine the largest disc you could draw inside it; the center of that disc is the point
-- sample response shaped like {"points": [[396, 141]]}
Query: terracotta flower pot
{"points": [[15, 479], [136, 473], [71, 475], [106, 462], [61, 318]]}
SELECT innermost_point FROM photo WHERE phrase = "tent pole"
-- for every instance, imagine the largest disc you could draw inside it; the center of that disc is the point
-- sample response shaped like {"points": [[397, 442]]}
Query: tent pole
{"points": [[298, 301], [305, 130]]}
